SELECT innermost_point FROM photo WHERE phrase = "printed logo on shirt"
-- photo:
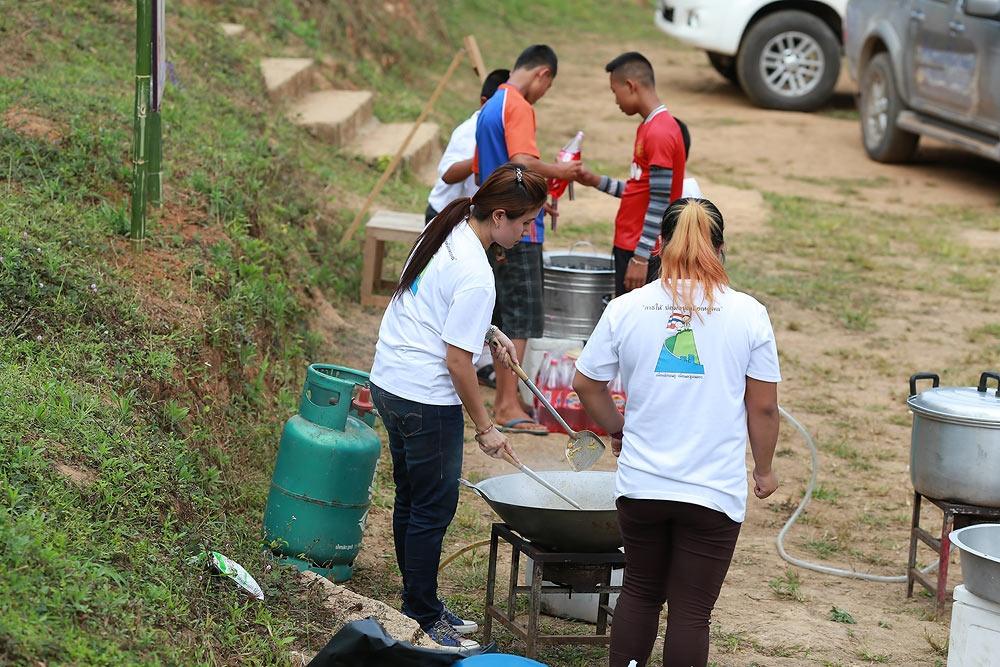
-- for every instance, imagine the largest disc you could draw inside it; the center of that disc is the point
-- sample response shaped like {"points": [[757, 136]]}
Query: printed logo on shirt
{"points": [[415, 285], [679, 354]]}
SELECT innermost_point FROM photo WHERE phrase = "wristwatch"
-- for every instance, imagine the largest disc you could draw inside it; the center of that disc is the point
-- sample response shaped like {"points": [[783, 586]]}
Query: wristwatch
{"points": [[491, 334]]}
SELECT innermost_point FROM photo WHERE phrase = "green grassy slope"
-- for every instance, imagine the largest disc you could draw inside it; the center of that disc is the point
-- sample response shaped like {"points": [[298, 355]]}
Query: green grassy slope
{"points": [[141, 395]]}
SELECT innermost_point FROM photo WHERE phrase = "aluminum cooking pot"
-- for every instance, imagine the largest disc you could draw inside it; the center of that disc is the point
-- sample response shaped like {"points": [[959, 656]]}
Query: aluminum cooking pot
{"points": [[955, 442]]}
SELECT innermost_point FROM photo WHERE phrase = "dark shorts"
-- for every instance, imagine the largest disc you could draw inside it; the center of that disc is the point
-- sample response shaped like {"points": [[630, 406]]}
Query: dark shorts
{"points": [[429, 214], [622, 258], [519, 312]]}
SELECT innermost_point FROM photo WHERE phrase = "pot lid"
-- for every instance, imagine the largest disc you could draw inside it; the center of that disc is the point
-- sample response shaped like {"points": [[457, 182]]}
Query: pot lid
{"points": [[979, 406]]}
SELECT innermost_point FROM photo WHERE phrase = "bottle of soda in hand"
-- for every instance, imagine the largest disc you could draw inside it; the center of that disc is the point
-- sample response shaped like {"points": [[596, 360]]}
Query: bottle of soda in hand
{"points": [[569, 153]]}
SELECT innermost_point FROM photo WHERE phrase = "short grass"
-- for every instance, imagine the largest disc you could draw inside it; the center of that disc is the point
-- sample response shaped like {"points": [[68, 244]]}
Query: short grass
{"points": [[838, 615], [788, 587]]}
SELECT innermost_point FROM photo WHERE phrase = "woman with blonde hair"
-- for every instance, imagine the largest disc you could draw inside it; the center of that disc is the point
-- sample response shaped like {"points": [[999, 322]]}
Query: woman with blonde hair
{"points": [[699, 365]]}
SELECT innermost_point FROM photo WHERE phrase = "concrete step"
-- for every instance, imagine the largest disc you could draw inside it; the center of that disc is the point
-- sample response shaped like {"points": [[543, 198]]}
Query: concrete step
{"points": [[287, 78], [380, 141], [335, 116], [232, 29]]}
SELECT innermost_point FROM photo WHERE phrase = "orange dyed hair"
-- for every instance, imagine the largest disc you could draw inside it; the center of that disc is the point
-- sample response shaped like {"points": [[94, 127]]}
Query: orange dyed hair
{"points": [[692, 237]]}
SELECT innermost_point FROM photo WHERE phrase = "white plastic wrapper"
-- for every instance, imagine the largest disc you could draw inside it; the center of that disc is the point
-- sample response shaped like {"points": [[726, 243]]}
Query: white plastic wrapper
{"points": [[227, 567]]}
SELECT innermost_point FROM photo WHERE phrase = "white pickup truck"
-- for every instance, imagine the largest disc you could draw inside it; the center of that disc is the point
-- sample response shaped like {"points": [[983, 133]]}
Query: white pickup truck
{"points": [[785, 54]]}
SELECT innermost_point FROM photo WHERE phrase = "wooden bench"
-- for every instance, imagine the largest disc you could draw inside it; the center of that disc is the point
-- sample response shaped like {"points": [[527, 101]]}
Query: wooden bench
{"points": [[382, 228]]}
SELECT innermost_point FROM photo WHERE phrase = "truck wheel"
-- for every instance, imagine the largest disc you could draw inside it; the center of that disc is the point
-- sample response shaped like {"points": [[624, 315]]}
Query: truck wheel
{"points": [[789, 60], [880, 105], [724, 65]]}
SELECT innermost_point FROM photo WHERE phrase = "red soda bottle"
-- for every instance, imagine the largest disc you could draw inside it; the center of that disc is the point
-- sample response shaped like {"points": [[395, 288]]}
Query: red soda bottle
{"points": [[618, 393], [569, 153], [549, 386]]}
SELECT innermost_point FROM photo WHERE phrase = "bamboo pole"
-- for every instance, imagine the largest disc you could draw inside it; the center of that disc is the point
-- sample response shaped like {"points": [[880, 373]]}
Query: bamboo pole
{"points": [[472, 48], [143, 56], [398, 157]]}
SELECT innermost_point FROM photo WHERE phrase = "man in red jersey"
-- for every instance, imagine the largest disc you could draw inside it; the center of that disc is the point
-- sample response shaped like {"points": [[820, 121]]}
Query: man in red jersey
{"points": [[656, 177]]}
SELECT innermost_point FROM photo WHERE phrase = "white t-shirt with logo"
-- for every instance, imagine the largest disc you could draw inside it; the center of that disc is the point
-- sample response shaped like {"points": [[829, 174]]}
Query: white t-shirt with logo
{"points": [[451, 302], [685, 379]]}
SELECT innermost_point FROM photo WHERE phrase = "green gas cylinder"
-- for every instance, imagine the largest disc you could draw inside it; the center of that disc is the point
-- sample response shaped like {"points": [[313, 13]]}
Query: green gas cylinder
{"points": [[322, 483]]}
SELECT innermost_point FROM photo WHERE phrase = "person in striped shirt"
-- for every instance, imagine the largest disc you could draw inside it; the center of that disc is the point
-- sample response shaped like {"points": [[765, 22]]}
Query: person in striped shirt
{"points": [[656, 176]]}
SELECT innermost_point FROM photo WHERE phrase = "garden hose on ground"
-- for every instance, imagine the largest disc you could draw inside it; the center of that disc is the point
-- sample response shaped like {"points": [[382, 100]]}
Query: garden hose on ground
{"points": [[806, 498], [468, 547], [798, 562]]}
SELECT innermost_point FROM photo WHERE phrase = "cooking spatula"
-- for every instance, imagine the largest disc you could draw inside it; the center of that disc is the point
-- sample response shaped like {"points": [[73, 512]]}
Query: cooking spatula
{"points": [[584, 447]]}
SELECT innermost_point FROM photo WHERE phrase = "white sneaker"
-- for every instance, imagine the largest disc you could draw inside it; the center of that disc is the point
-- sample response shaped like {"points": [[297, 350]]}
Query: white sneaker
{"points": [[462, 626], [448, 640]]}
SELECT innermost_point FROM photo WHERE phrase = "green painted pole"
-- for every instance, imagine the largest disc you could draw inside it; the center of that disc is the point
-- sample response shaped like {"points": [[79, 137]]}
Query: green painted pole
{"points": [[143, 57]]}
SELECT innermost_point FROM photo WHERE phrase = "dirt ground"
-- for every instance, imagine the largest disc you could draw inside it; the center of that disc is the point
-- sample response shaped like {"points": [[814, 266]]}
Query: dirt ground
{"points": [[835, 384]]}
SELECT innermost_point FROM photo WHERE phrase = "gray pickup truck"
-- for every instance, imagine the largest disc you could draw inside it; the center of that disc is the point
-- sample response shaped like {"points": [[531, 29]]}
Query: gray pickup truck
{"points": [[926, 67]]}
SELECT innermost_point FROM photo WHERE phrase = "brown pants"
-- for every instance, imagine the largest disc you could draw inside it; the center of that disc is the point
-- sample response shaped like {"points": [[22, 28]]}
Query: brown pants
{"points": [[676, 553]]}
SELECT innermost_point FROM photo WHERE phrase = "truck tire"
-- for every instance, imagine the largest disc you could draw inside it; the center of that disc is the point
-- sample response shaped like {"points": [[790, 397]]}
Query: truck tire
{"points": [[879, 106], [789, 60], [724, 65]]}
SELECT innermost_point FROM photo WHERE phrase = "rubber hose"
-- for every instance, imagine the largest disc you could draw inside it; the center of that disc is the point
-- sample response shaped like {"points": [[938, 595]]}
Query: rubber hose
{"points": [[806, 498], [468, 547], [816, 567]]}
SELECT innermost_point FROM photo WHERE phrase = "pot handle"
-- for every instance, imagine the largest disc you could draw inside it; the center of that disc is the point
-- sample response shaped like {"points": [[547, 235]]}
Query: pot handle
{"points": [[987, 376], [927, 376], [467, 483]]}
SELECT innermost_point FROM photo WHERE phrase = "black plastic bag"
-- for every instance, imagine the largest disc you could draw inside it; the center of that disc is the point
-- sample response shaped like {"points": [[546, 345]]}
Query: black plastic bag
{"points": [[366, 644]]}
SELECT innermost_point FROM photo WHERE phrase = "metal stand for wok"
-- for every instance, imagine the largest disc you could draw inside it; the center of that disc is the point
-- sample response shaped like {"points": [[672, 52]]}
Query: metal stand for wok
{"points": [[574, 572], [956, 515]]}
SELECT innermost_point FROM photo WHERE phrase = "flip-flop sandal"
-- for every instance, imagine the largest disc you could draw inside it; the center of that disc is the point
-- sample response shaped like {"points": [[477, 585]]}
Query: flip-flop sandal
{"points": [[511, 427], [487, 376]]}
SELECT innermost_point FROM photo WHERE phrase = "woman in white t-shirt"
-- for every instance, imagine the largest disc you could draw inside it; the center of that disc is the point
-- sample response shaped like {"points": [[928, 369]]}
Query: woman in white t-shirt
{"points": [[431, 335], [699, 365]]}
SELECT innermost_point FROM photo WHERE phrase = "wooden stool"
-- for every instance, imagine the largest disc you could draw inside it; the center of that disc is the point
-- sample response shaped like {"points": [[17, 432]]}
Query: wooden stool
{"points": [[383, 227], [956, 515]]}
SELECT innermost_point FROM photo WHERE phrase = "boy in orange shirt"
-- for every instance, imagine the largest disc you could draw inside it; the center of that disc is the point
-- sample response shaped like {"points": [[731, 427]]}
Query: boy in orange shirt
{"points": [[505, 132]]}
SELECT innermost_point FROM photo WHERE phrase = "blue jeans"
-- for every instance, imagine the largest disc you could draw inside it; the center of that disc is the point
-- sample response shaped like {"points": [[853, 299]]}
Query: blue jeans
{"points": [[425, 442]]}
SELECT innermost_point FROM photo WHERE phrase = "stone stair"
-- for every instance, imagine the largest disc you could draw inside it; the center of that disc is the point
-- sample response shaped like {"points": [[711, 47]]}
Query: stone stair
{"points": [[345, 118], [287, 78], [335, 116]]}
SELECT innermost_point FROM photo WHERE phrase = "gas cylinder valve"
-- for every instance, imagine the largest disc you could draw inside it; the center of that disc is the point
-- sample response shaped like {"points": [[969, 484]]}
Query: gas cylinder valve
{"points": [[362, 402]]}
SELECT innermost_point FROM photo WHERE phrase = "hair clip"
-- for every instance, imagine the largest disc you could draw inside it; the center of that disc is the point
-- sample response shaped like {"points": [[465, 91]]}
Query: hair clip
{"points": [[519, 175]]}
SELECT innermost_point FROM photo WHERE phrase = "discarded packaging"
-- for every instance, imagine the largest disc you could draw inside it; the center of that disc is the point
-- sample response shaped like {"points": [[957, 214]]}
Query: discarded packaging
{"points": [[227, 567]]}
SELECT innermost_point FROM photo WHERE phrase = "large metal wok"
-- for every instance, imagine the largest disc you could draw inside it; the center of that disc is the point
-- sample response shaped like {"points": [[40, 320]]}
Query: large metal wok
{"points": [[542, 517]]}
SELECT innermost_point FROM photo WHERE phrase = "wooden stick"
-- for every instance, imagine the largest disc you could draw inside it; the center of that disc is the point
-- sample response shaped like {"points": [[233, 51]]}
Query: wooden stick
{"points": [[472, 48], [398, 157]]}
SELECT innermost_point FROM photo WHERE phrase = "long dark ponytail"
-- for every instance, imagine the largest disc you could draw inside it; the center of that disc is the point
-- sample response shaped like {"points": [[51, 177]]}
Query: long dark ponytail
{"points": [[511, 188]]}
